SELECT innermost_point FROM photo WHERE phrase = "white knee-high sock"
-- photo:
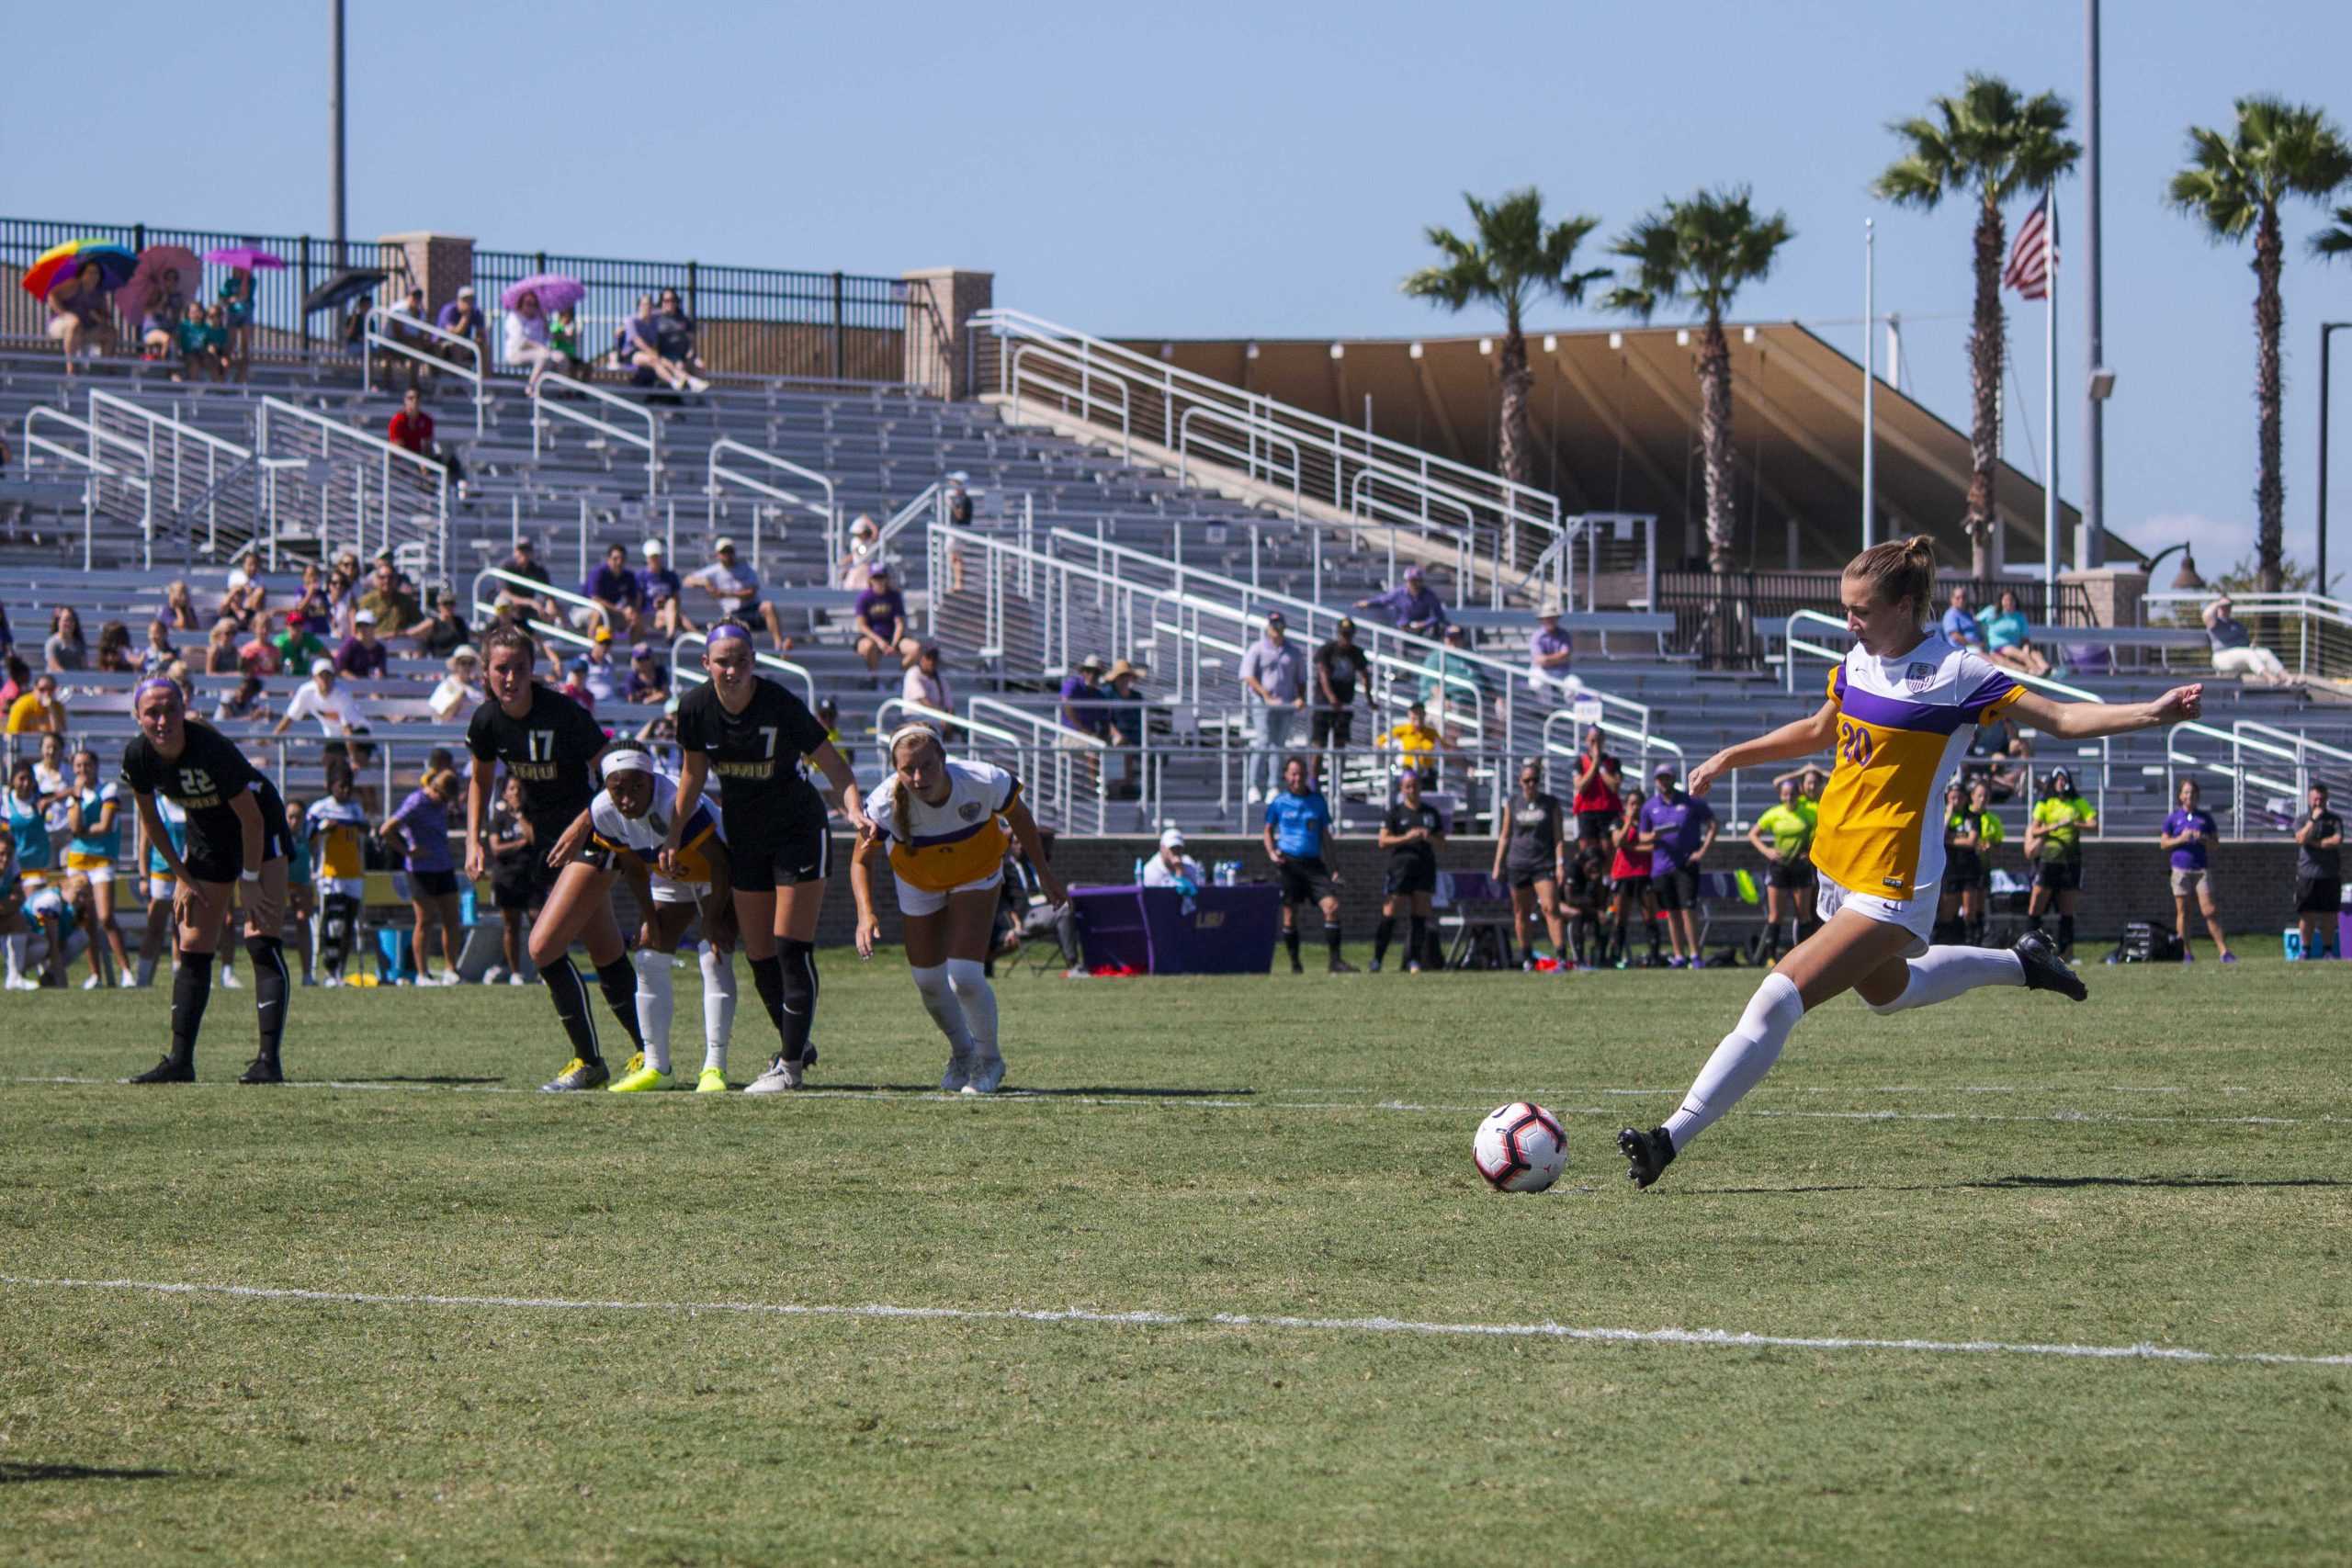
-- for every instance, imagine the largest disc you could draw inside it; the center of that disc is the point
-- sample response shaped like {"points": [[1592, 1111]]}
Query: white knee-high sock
{"points": [[939, 1000], [718, 1005], [655, 1003], [1943, 972], [1741, 1062], [19, 945], [978, 997]]}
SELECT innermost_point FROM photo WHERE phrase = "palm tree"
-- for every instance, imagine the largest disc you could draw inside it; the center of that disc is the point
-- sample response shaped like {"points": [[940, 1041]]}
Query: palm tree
{"points": [[1989, 142], [1701, 250], [2329, 243], [2233, 184], [1514, 261]]}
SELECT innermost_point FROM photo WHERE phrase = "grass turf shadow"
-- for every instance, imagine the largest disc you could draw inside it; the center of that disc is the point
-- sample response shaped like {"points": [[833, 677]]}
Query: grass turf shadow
{"points": [[13, 1471]]}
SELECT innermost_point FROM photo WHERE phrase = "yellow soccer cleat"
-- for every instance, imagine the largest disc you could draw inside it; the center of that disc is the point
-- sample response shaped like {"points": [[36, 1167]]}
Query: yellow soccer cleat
{"points": [[635, 1064], [713, 1081], [642, 1080]]}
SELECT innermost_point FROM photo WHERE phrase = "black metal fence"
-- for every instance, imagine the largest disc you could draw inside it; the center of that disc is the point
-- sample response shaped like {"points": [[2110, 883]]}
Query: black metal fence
{"points": [[280, 330], [819, 326], [1717, 615]]}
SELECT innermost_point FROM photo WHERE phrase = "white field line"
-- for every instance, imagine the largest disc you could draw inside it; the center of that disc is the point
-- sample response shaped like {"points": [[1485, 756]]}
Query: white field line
{"points": [[1707, 1337], [1153, 1101]]}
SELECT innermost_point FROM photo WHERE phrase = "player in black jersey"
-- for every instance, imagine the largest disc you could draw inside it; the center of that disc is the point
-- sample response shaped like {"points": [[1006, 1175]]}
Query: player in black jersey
{"points": [[753, 733], [1532, 860], [548, 744], [1411, 833], [236, 835]]}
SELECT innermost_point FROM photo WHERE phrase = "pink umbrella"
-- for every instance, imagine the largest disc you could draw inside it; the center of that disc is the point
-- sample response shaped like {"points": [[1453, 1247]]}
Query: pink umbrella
{"points": [[554, 288], [246, 258], [147, 281]]}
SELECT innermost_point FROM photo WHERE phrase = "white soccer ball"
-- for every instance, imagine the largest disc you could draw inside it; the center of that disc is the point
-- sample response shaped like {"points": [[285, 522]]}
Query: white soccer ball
{"points": [[1520, 1147]]}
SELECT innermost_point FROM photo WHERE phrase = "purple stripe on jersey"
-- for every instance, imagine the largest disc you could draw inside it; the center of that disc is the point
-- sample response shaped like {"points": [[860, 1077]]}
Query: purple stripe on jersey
{"points": [[932, 840], [1894, 713], [1838, 683], [1996, 686]]}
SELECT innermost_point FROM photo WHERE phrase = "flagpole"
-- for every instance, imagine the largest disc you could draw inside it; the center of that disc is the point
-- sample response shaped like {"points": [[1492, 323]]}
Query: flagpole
{"points": [[1869, 378], [2050, 508]]}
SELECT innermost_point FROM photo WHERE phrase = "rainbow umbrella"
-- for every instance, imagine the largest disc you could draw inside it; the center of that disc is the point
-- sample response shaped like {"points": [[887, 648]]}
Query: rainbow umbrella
{"points": [[55, 266], [246, 258]]}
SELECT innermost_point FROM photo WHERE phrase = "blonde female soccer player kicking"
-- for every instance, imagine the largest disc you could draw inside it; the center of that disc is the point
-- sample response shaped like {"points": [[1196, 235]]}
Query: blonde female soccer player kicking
{"points": [[947, 826], [1899, 708]]}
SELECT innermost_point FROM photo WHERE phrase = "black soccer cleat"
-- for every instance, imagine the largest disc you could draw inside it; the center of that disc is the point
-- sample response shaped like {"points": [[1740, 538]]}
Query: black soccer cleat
{"points": [[2044, 970], [1341, 966], [1648, 1154], [263, 1070], [167, 1071]]}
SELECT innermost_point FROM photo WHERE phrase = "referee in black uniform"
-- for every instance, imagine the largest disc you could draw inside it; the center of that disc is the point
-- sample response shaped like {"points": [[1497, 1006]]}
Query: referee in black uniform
{"points": [[236, 837]]}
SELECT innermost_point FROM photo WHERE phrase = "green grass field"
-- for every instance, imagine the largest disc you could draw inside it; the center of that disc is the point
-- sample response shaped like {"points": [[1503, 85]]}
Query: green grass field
{"points": [[630, 1380]]}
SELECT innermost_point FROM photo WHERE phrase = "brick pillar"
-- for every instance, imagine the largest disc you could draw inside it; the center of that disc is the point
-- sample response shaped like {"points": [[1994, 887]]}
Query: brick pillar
{"points": [[940, 303], [438, 263], [2114, 592]]}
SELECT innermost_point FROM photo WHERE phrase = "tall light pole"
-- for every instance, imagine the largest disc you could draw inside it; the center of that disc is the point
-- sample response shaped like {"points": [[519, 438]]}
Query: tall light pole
{"points": [[2090, 544], [335, 144], [2326, 330], [1869, 378]]}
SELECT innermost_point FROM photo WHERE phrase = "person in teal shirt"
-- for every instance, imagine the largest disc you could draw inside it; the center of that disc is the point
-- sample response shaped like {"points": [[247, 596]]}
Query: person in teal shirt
{"points": [[301, 887], [93, 819], [1449, 677], [2005, 637]]}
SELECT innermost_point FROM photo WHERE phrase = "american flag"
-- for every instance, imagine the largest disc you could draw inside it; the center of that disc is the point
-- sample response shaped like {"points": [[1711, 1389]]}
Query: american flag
{"points": [[2029, 268]]}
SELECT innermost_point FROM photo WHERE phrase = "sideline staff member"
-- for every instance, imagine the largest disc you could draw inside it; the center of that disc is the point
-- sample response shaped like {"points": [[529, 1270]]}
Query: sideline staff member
{"points": [[1297, 818], [2319, 871]]}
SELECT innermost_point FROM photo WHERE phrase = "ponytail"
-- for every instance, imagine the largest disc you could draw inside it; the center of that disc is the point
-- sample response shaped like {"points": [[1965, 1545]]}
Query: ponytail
{"points": [[1896, 568]]}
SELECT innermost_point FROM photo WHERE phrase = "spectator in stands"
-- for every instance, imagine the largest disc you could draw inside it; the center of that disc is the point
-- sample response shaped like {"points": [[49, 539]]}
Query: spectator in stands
{"points": [[857, 562], [159, 650], [2053, 842], [2189, 833], [410, 430], [603, 682], [237, 304], [16, 680], [649, 678], [1959, 628], [674, 336], [1298, 820], [959, 501], [2005, 637], [342, 595], [247, 595], [1416, 742], [313, 606], [159, 323], [460, 691], [1681, 828], [80, 317], [1169, 866], [924, 684], [38, 711], [1274, 678], [178, 610], [661, 591], [736, 586], [881, 616], [638, 344], [1451, 679], [298, 646], [2319, 873], [242, 702], [1412, 605], [523, 561], [324, 698], [1549, 653], [527, 347], [192, 337], [574, 684], [221, 649], [444, 632], [395, 609], [1341, 668], [2234, 653], [113, 655], [563, 336], [1082, 698], [1631, 853], [1598, 799], [1124, 718], [355, 325], [462, 318], [618, 595], [64, 649], [362, 655], [262, 656], [2011, 770]]}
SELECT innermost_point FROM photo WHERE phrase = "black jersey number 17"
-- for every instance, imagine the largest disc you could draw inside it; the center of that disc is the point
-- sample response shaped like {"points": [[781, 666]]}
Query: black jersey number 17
{"points": [[542, 745]]}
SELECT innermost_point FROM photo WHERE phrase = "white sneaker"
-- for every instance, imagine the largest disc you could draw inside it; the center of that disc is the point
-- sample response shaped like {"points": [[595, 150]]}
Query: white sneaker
{"points": [[696, 384], [91, 984], [958, 1073], [229, 980], [987, 1073], [494, 973], [124, 981], [20, 983], [516, 979], [1253, 796], [783, 1075]]}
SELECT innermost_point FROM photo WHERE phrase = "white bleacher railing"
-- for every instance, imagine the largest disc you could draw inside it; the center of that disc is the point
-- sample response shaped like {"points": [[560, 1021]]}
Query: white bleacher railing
{"points": [[101, 479], [680, 670], [2320, 626], [1253, 451], [397, 332], [179, 463], [648, 441], [328, 485], [1061, 779], [749, 468], [1155, 396]]}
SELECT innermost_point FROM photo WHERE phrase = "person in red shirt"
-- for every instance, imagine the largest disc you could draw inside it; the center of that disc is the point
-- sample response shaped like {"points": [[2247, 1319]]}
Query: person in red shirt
{"points": [[410, 430], [1630, 873], [1599, 777]]}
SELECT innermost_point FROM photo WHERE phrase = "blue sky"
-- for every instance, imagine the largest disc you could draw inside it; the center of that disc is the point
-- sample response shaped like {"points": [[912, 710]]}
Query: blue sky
{"points": [[1216, 169]]}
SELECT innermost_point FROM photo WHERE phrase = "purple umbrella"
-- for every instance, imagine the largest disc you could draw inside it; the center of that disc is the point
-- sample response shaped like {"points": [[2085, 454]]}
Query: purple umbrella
{"points": [[246, 258], [554, 291]]}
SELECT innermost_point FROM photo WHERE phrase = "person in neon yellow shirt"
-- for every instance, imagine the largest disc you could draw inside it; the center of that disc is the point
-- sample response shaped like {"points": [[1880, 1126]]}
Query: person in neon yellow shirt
{"points": [[1788, 825], [2053, 842]]}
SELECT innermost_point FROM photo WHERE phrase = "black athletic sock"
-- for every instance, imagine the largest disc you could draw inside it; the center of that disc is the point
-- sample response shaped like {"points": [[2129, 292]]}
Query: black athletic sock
{"points": [[272, 990], [1658, 943], [571, 999], [798, 1015], [2066, 934], [1290, 940], [1417, 931], [1382, 935], [1332, 939], [619, 980], [2033, 922], [191, 988], [767, 975], [1618, 937]]}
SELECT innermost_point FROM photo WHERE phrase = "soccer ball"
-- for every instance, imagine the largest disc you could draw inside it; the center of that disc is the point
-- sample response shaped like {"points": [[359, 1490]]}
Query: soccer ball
{"points": [[1520, 1147]]}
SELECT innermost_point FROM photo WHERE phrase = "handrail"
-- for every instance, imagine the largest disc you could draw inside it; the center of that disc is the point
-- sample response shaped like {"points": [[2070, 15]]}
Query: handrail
{"points": [[927, 500], [537, 589], [829, 511], [1250, 460], [678, 670], [162, 428], [429, 471], [209, 498], [93, 467], [378, 316], [1039, 725], [2295, 738], [1017, 374], [1361, 500], [924, 710], [179, 428], [650, 441]]}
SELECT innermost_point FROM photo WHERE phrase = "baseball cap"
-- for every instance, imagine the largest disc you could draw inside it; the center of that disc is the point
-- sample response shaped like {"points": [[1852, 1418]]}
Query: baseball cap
{"points": [[465, 291], [1414, 571], [1275, 618], [524, 546], [1171, 840], [1666, 771], [578, 667], [642, 650], [293, 617], [602, 634], [722, 546], [365, 618], [1093, 662], [322, 666], [654, 549], [1347, 624], [465, 651]]}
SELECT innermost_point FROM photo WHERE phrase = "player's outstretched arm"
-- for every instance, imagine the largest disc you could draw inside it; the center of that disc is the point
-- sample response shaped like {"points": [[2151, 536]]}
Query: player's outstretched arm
{"points": [[1801, 738], [2088, 721]]}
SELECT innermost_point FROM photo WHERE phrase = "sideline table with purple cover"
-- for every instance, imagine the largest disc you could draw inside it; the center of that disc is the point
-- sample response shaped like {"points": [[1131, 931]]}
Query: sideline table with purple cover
{"points": [[1161, 931]]}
